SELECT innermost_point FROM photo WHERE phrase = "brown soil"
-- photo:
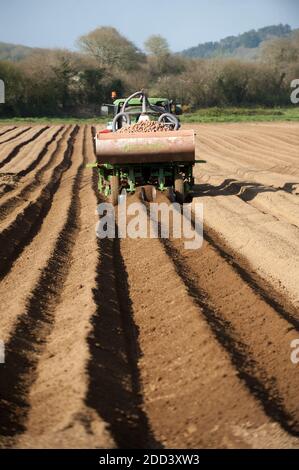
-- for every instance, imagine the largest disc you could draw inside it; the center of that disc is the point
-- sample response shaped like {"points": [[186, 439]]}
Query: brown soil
{"points": [[141, 343]]}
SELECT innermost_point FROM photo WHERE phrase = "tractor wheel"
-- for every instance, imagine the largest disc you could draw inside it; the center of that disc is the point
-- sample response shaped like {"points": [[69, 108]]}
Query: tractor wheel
{"points": [[114, 184], [179, 189]]}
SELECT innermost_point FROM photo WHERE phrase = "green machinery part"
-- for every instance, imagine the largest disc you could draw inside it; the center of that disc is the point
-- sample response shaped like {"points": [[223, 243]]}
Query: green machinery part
{"points": [[130, 174]]}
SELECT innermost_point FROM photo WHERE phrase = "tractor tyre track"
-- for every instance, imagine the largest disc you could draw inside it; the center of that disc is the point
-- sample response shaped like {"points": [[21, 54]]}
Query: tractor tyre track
{"points": [[114, 380]]}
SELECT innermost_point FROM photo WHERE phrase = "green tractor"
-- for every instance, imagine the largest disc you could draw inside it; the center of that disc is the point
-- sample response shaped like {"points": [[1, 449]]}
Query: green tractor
{"points": [[143, 155]]}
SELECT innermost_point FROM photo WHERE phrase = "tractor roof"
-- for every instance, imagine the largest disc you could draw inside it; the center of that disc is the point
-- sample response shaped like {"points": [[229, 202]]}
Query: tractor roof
{"points": [[136, 101]]}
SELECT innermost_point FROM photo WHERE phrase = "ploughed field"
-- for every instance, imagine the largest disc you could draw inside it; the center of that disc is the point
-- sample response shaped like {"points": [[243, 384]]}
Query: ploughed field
{"points": [[142, 343]]}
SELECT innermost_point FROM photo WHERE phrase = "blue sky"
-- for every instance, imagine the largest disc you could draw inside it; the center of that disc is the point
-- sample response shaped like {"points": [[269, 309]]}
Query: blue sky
{"points": [[185, 23]]}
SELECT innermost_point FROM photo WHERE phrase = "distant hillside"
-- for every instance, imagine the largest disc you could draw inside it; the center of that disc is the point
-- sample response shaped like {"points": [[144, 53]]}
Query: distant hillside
{"points": [[15, 52], [244, 45]]}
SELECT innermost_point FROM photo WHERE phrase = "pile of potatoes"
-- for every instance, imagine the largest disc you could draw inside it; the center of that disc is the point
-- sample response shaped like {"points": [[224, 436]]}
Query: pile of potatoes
{"points": [[144, 126]]}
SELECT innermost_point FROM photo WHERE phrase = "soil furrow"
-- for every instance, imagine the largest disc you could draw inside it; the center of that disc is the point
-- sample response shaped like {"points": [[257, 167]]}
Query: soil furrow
{"points": [[27, 186], [141, 343], [114, 381], [34, 325], [13, 135], [277, 202], [260, 141], [68, 422], [189, 381], [268, 244], [10, 151], [256, 156], [27, 223], [259, 345], [5, 130], [32, 154]]}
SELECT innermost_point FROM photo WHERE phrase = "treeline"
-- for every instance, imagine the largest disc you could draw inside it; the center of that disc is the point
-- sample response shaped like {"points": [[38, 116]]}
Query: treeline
{"points": [[229, 45], [64, 83], [55, 84]]}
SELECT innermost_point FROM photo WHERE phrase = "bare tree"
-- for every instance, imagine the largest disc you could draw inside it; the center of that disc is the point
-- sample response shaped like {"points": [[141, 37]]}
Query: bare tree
{"points": [[280, 52], [156, 45], [111, 49]]}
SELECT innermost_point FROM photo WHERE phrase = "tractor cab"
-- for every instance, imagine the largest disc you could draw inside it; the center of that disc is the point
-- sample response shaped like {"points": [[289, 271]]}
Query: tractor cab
{"points": [[157, 107]]}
